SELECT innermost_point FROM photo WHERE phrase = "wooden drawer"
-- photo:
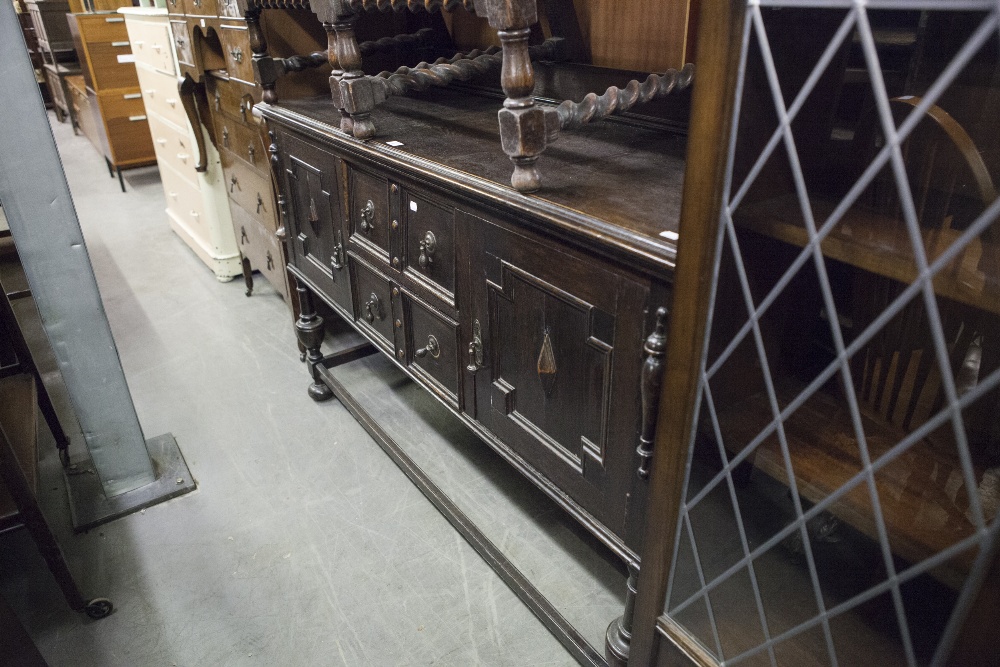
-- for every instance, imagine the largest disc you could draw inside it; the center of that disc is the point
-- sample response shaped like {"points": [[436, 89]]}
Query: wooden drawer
{"points": [[369, 211], [183, 48], [185, 200], [123, 104], [102, 28], [202, 8], [108, 73], [433, 348], [376, 304], [229, 9], [160, 95], [250, 190], [130, 141], [261, 247], [243, 141], [236, 49], [57, 88], [429, 245], [174, 148], [151, 44], [230, 98]]}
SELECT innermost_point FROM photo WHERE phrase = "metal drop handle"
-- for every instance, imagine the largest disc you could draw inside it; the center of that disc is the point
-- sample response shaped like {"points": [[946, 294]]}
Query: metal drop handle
{"points": [[432, 346], [373, 309], [428, 245], [368, 216]]}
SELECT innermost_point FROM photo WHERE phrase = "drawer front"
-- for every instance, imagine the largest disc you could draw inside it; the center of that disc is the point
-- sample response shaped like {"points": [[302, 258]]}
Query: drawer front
{"points": [[123, 104], [130, 139], [369, 212], [243, 141], [250, 190], [102, 28], [108, 72], [151, 44], [561, 336], [429, 254], [313, 206], [185, 200], [183, 48], [174, 148], [229, 9], [375, 304], [160, 95], [202, 8], [432, 348], [230, 98], [261, 248], [236, 49]]}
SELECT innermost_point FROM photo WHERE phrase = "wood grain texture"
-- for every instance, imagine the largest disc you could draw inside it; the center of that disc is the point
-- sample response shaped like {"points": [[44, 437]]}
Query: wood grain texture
{"points": [[711, 114]]}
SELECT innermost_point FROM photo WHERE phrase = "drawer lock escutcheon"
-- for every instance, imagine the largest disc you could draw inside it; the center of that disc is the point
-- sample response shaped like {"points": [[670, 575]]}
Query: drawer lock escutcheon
{"points": [[373, 309], [428, 245], [233, 183], [433, 348], [368, 216]]}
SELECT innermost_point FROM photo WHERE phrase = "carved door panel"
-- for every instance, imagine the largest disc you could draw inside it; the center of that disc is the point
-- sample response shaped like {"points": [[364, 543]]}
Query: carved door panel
{"points": [[561, 358], [316, 229]]}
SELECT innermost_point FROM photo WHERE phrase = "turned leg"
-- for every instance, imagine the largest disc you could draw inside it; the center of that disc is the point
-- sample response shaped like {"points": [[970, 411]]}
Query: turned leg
{"points": [[525, 129], [309, 329], [619, 636], [353, 93]]}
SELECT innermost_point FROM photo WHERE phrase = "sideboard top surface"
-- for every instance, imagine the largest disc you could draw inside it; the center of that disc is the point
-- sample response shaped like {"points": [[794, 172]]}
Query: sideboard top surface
{"points": [[617, 183]]}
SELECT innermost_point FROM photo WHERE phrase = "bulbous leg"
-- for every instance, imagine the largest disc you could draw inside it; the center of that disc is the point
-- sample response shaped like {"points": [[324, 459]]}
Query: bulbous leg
{"points": [[309, 329], [619, 636]]}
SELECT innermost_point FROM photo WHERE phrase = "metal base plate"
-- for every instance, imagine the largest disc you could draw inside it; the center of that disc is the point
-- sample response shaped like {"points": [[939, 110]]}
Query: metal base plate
{"points": [[88, 505]]}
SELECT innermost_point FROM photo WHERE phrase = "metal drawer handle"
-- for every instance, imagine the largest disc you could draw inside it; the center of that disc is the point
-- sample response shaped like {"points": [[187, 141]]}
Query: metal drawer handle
{"points": [[135, 118], [475, 348], [172, 101], [368, 216], [337, 259], [114, 20], [373, 309], [151, 92], [237, 54], [428, 245], [138, 43], [119, 43], [432, 347], [218, 101], [243, 235], [157, 47], [251, 153], [132, 96], [183, 157], [270, 261], [260, 202], [233, 183], [225, 137], [161, 141], [180, 41]]}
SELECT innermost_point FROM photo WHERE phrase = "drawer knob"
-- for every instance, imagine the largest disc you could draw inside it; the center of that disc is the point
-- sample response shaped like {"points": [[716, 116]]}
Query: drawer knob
{"points": [[432, 347], [180, 41], [236, 53], [373, 309], [233, 183], [428, 245], [368, 216]]}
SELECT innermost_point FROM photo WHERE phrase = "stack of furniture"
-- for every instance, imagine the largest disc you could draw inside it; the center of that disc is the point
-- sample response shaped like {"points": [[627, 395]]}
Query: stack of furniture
{"points": [[191, 171], [34, 51], [56, 46], [121, 130]]}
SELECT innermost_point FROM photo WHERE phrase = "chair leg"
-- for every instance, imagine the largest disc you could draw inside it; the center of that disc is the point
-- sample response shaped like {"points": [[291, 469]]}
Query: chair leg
{"points": [[13, 477]]}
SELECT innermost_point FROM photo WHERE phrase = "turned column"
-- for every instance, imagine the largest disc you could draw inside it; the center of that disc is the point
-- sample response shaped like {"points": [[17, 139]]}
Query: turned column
{"points": [[309, 329], [619, 636], [353, 93], [258, 44], [524, 127], [652, 380]]}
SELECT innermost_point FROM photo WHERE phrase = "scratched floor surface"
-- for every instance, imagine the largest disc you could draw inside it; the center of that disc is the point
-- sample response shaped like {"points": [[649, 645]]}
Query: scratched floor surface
{"points": [[303, 545]]}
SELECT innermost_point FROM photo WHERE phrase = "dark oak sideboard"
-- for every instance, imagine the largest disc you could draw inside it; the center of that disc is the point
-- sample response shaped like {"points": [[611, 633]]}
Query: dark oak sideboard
{"points": [[530, 317]]}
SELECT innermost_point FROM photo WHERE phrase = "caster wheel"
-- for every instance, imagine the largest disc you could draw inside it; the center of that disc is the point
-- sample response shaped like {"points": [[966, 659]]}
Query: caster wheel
{"points": [[98, 608], [64, 457]]}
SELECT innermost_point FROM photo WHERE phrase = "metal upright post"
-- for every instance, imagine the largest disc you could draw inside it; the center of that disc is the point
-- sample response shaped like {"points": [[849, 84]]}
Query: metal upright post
{"points": [[132, 472]]}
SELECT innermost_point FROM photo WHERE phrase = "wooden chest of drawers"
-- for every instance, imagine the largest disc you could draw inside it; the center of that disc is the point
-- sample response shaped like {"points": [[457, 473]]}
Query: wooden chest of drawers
{"points": [[107, 61], [197, 208]]}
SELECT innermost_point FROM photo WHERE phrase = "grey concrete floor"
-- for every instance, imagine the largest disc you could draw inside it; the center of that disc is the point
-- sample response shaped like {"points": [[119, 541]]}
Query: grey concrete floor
{"points": [[303, 545]]}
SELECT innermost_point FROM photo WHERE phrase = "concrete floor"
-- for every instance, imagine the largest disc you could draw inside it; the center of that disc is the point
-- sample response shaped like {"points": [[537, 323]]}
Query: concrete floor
{"points": [[303, 545]]}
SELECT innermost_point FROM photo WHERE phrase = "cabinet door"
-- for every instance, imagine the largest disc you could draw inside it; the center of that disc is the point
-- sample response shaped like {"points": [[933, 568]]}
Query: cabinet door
{"points": [[562, 350], [315, 217]]}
